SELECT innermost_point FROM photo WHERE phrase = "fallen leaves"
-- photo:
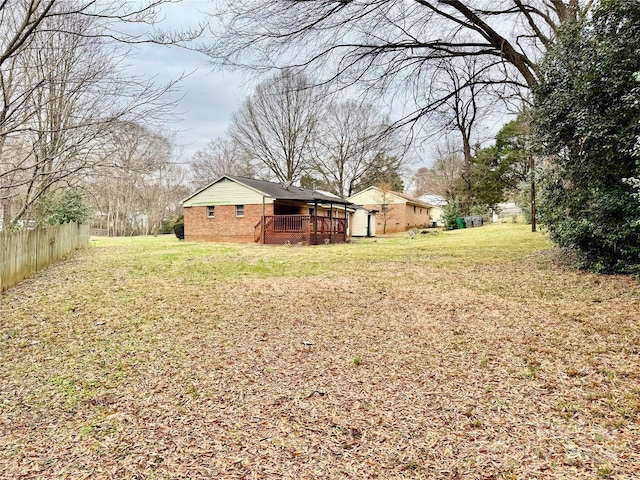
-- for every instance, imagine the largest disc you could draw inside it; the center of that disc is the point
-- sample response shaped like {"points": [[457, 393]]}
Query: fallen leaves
{"points": [[461, 372]]}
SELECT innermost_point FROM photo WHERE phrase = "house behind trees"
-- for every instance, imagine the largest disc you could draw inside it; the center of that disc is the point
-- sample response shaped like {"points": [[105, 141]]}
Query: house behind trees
{"points": [[397, 212]]}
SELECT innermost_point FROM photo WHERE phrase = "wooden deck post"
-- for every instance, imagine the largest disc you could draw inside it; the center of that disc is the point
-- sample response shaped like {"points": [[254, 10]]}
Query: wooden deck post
{"points": [[315, 222], [263, 219], [331, 222], [346, 223]]}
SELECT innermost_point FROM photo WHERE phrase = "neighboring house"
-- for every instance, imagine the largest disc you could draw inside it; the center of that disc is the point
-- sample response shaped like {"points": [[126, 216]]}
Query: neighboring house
{"points": [[506, 211], [238, 209], [437, 207], [397, 212]]}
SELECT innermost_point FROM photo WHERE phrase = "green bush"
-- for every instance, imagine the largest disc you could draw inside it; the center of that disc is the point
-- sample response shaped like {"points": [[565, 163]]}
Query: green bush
{"points": [[178, 229], [167, 225], [450, 212], [478, 209], [66, 206], [588, 117], [523, 200]]}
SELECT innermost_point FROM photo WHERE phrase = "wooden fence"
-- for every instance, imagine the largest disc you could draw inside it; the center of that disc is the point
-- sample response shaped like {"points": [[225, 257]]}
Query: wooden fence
{"points": [[25, 252]]}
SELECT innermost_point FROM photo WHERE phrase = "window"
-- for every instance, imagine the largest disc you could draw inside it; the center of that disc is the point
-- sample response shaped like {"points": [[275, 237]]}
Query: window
{"points": [[239, 210], [211, 211]]}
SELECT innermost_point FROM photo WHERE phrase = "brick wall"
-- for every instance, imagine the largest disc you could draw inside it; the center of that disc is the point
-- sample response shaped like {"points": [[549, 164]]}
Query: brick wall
{"points": [[417, 217], [395, 219], [400, 217], [225, 226]]}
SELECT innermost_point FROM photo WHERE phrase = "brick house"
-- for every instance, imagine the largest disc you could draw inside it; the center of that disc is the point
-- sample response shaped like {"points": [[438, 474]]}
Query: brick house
{"points": [[397, 212], [238, 209]]}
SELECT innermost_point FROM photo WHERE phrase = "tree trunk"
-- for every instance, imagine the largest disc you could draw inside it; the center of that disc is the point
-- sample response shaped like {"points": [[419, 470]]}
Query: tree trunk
{"points": [[532, 166]]}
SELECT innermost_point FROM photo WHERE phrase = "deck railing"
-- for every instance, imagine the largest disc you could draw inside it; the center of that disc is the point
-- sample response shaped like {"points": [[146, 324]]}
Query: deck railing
{"points": [[294, 229], [291, 223]]}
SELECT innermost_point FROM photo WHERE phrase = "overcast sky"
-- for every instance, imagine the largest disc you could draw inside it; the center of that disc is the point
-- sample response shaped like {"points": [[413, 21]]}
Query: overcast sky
{"points": [[209, 96]]}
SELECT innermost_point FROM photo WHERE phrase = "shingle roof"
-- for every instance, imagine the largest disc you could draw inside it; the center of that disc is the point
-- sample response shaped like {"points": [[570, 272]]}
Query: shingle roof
{"points": [[410, 199], [280, 192]]}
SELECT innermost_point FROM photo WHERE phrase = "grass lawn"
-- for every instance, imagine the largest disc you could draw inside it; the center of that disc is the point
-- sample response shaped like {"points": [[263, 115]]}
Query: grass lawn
{"points": [[459, 355]]}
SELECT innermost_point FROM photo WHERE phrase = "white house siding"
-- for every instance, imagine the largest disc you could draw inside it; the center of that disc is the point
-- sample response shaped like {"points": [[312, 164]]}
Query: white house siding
{"points": [[359, 223], [375, 196], [227, 192], [436, 215]]}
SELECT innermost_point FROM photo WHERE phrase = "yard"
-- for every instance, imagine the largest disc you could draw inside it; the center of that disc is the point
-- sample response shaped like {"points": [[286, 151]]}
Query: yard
{"points": [[459, 355]]}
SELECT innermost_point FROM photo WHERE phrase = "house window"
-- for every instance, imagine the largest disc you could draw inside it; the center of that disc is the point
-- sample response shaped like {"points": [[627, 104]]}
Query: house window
{"points": [[211, 211], [239, 210], [414, 209]]}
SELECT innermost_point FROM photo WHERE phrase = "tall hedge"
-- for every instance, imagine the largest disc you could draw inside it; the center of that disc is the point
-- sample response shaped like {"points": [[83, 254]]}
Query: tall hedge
{"points": [[587, 114]]}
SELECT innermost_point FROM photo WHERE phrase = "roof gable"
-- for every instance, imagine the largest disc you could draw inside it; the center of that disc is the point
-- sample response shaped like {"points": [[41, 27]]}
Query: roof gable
{"points": [[412, 200], [270, 190], [226, 191], [374, 194]]}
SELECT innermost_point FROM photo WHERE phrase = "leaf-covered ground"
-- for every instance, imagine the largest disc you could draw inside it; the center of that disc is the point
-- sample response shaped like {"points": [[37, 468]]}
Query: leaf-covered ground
{"points": [[462, 355]]}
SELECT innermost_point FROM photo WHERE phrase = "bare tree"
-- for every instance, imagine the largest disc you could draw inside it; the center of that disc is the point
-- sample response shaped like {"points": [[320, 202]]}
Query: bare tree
{"points": [[277, 124], [443, 178], [159, 194], [220, 156], [461, 112], [394, 44], [466, 102], [21, 20], [115, 186], [142, 184], [62, 86], [383, 196], [421, 181], [353, 138]]}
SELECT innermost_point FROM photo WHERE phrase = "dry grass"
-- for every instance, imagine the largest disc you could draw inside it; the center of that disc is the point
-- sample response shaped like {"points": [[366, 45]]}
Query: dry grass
{"points": [[464, 355]]}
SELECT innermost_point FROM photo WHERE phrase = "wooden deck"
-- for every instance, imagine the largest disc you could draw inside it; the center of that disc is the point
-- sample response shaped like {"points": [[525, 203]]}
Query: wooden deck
{"points": [[300, 229]]}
